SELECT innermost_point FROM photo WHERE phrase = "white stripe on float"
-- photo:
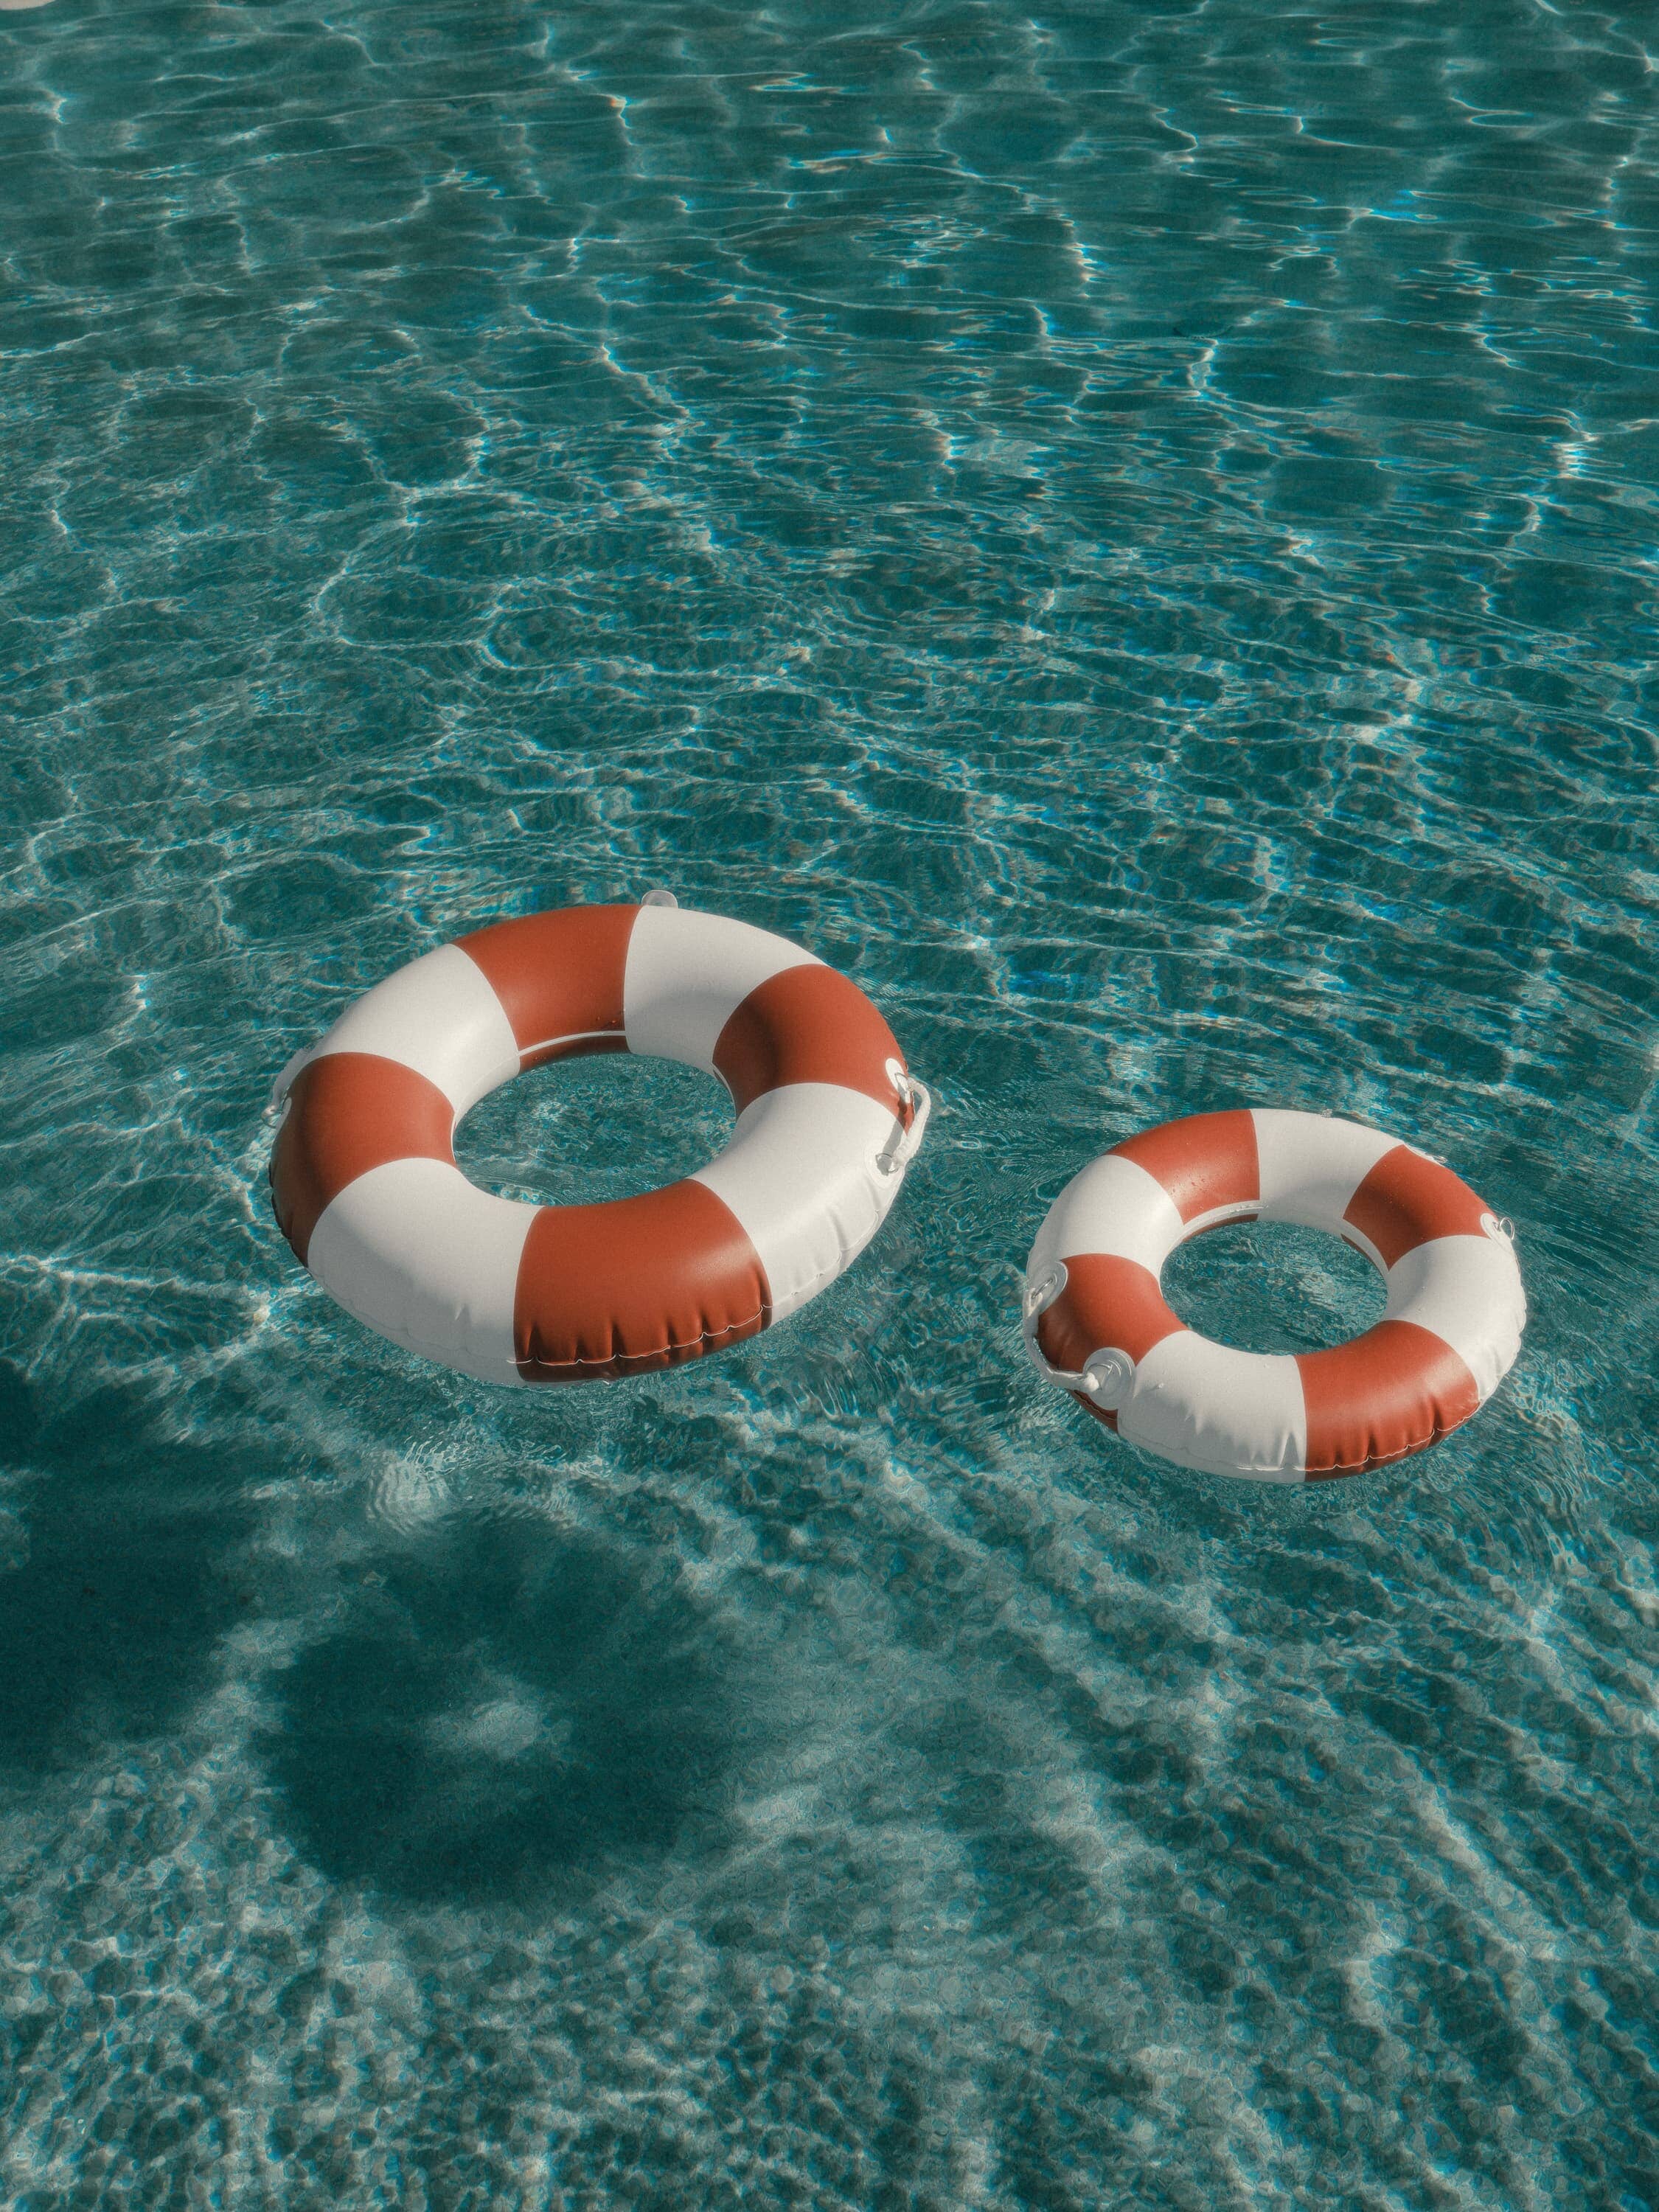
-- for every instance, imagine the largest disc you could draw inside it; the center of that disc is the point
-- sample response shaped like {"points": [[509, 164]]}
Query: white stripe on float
{"points": [[688, 973], [1113, 1207], [1205, 1404], [438, 1016], [1237, 1209], [1468, 1291], [417, 1252], [799, 1173], [567, 1036], [1312, 1164]]}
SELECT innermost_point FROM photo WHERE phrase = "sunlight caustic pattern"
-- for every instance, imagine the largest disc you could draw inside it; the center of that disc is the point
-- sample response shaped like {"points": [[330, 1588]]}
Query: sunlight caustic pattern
{"points": [[1129, 531]]}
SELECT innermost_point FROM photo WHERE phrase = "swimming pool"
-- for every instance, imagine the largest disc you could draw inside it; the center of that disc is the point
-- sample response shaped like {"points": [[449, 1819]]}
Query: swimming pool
{"points": [[1130, 532]]}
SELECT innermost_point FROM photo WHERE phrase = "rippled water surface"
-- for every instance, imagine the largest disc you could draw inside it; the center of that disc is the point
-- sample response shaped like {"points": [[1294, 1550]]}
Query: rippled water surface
{"points": [[1133, 530]]}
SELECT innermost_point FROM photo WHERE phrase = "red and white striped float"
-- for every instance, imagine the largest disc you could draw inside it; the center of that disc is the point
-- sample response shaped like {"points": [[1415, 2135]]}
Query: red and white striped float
{"points": [[367, 1191], [1096, 1323]]}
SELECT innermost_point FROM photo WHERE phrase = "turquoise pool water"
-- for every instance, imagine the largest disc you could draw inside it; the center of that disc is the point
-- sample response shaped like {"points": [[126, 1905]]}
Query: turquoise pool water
{"points": [[1132, 530]]}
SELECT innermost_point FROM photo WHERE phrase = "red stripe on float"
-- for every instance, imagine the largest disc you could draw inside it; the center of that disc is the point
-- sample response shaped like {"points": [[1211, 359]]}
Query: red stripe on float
{"points": [[1407, 1201], [1391, 1392], [559, 978], [1108, 1304], [1204, 1161], [807, 1024], [634, 1285], [347, 1112]]}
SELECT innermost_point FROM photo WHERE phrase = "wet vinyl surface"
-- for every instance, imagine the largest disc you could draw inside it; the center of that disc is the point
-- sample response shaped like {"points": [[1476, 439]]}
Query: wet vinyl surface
{"points": [[1132, 531]]}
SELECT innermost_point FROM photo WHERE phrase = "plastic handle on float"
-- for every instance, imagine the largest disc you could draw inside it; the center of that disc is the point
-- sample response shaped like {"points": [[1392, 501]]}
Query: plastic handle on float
{"points": [[904, 1145], [1105, 1378], [284, 1083], [659, 898]]}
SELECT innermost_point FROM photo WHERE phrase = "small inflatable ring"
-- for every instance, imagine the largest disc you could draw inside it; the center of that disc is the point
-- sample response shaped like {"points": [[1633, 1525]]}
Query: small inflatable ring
{"points": [[367, 1191], [1096, 1323]]}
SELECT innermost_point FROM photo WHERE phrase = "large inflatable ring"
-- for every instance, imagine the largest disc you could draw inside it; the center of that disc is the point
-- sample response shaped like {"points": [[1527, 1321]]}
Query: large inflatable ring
{"points": [[367, 1191], [1095, 1322]]}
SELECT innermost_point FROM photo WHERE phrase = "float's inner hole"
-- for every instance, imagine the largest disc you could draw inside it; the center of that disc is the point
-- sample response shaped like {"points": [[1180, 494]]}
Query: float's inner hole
{"points": [[1270, 1286], [575, 1132]]}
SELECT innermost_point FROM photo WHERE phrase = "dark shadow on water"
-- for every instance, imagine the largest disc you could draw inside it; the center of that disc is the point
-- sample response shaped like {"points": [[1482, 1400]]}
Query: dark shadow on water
{"points": [[119, 1579], [503, 1704], [509, 1705]]}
